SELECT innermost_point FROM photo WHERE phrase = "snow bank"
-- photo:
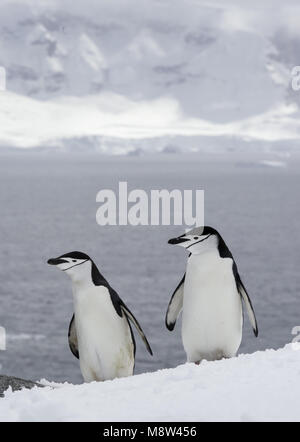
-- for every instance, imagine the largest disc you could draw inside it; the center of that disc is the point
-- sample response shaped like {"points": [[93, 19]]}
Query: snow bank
{"points": [[28, 123], [261, 386]]}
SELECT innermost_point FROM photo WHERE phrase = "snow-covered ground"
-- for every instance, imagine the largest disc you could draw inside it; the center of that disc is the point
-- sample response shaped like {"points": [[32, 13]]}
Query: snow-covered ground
{"points": [[257, 387]]}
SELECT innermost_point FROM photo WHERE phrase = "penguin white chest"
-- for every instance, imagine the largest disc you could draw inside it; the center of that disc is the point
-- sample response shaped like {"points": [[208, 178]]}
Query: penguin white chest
{"points": [[104, 339], [212, 308]]}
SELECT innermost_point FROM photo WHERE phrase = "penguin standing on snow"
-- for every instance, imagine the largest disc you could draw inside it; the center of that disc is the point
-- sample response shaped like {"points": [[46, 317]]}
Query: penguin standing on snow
{"points": [[210, 295], [100, 334]]}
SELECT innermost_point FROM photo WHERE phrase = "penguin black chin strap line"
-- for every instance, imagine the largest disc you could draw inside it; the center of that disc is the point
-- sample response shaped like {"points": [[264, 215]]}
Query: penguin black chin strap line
{"points": [[64, 270], [201, 240]]}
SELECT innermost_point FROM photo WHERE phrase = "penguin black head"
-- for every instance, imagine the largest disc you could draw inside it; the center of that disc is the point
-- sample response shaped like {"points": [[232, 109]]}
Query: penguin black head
{"points": [[79, 266], [70, 262], [198, 239]]}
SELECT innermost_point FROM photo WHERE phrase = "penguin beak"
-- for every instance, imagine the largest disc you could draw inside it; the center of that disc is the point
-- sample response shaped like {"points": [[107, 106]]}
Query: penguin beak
{"points": [[178, 240], [56, 261]]}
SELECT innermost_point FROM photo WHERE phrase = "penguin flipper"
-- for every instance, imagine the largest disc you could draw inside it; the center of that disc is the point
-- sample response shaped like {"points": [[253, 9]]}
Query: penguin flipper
{"points": [[249, 307], [247, 301], [72, 337], [175, 305], [121, 308], [130, 316]]}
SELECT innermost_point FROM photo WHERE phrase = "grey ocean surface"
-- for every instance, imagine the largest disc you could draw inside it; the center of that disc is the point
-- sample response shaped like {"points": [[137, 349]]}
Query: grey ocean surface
{"points": [[48, 207]]}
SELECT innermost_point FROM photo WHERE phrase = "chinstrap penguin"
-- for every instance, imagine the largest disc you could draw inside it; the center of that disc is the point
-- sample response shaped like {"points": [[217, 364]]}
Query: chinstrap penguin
{"points": [[100, 334], [210, 296]]}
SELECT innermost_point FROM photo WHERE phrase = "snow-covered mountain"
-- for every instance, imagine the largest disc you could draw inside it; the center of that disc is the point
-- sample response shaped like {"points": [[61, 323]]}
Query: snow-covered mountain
{"points": [[97, 73]]}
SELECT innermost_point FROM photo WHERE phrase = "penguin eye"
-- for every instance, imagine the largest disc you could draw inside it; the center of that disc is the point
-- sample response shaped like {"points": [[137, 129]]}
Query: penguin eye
{"points": [[196, 237], [74, 260]]}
